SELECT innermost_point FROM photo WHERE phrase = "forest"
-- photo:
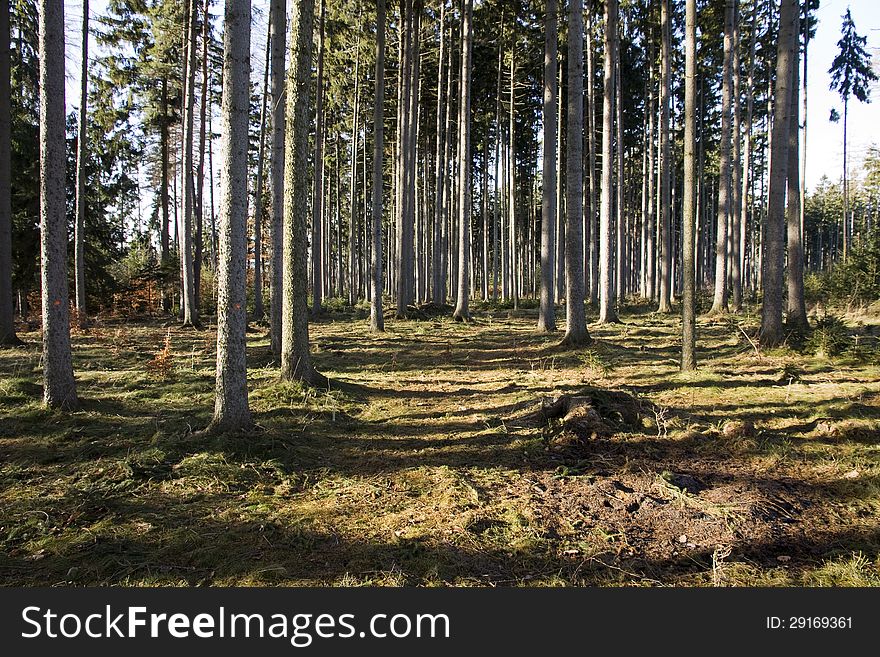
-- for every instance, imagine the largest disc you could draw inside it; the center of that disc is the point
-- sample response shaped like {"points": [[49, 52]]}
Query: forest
{"points": [[435, 293]]}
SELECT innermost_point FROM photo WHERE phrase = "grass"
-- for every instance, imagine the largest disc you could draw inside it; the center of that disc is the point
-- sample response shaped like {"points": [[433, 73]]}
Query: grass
{"points": [[414, 469]]}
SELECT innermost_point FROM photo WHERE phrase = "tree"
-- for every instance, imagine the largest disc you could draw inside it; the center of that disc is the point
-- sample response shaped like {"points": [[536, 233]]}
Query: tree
{"points": [[461, 312], [7, 320], [190, 310], [607, 314], [688, 302], [851, 75], [278, 39], [318, 205], [259, 311], [547, 313], [377, 320], [576, 322], [231, 410], [665, 244], [59, 388], [725, 192], [774, 232], [82, 139], [796, 310], [296, 363]]}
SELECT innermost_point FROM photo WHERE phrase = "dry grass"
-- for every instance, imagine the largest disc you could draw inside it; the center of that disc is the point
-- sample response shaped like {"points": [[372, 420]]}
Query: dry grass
{"points": [[411, 469]]}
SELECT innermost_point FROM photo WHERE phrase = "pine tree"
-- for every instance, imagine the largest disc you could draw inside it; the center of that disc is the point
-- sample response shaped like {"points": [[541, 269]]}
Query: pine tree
{"points": [[547, 314], [576, 322], [278, 39], [774, 232], [296, 363], [851, 75], [462, 312], [231, 412], [7, 319], [688, 302], [377, 320], [59, 388]]}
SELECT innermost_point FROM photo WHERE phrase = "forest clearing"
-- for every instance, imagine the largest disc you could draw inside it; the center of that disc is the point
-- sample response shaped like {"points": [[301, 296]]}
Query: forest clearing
{"points": [[419, 466]]}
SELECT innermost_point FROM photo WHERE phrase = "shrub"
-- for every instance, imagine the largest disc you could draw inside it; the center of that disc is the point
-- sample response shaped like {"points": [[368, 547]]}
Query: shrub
{"points": [[830, 337]]}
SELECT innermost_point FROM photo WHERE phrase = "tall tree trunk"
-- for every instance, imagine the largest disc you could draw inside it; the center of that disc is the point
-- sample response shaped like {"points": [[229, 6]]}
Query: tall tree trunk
{"points": [[485, 203], [190, 310], [719, 302], [278, 38], [796, 309], [806, 29], [689, 274], [352, 189], [59, 388], [200, 172], [438, 294], [462, 313], [547, 312], [607, 313], [81, 151], [512, 268], [774, 234], [259, 312], [650, 210], [576, 322], [593, 256], [665, 245], [7, 317], [847, 226], [164, 237], [377, 321], [747, 154], [318, 198], [231, 412], [733, 241], [296, 363], [620, 219]]}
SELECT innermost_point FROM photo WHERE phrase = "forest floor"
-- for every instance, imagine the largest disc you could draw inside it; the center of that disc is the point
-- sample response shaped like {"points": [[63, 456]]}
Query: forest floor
{"points": [[419, 465]]}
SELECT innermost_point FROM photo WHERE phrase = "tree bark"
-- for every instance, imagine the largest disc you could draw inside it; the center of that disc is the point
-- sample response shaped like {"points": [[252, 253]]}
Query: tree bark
{"points": [[190, 310], [7, 316], [547, 311], [462, 312], [795, 303], [733, 240], [720, 300], [377, 321], [576, 322], [296, 363], [352, 190], [259, 312], [689, 283], [81, 152], [607, 313], [278, 38], [774, 234], [231, 412], [59, 388], [665, 241], [200, 173], [318, 198]]}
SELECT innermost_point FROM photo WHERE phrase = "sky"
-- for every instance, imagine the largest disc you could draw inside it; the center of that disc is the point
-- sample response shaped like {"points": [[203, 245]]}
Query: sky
{"points": [[824, 140]]}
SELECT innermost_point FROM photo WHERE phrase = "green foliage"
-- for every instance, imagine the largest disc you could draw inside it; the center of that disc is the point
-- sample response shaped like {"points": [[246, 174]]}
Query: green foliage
{"points": [[830, 337], [851, 72], [857, 280]]}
